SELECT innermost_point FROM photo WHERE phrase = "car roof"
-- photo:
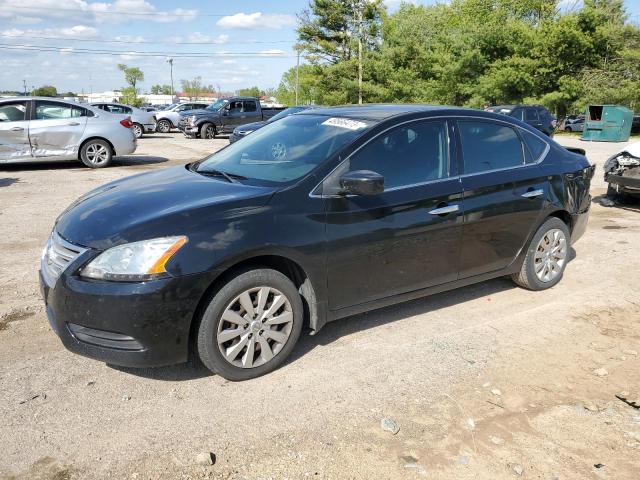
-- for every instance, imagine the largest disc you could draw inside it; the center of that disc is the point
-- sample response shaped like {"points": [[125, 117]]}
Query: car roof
{"points": [[380, 112]]}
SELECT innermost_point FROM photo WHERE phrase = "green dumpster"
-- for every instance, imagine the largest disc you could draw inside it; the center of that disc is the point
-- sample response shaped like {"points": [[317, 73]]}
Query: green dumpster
{"points": [[607, 123]]}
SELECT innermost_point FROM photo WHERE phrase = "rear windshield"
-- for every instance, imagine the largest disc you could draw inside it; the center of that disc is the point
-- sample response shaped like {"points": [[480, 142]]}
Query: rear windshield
{"points": [[285, 150]]}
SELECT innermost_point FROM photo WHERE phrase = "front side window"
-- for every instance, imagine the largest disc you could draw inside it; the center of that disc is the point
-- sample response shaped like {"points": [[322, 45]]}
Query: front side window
{"points": [[489, 146], [13, 112], [235, 107], [286, 150], [54, 111], [531, 115], [407, 155]]}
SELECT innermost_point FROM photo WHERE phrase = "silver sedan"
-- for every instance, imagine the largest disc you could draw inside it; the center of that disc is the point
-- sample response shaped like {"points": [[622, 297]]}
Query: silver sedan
{"points": [[34, 129], [143, 121]]}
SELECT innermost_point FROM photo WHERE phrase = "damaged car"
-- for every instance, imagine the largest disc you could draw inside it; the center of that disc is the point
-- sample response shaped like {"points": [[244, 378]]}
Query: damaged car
{"points": [[622, 173]]}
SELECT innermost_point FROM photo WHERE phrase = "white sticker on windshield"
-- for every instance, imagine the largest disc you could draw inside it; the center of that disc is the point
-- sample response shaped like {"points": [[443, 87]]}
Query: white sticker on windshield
{"points": [[345, 123]]}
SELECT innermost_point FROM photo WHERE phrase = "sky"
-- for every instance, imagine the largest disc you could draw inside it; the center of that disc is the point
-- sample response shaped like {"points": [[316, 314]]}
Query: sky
{"points": [[230, 44]]}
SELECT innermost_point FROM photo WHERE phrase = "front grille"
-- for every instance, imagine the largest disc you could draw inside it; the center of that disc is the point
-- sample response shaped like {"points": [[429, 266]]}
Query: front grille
{"points": [[56, 257]]}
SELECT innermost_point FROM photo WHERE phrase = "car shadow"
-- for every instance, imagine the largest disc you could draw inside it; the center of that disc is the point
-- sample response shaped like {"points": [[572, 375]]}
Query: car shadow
{"points": [[630, 203], [8, 181], [124, 161]]}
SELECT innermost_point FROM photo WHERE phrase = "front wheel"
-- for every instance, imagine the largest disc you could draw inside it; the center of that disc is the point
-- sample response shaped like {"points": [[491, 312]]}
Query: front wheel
{"points": [[567, 129], [251, 325], [163, 126], [137, 130], [547, 256], [96, 154], [208, 131]]}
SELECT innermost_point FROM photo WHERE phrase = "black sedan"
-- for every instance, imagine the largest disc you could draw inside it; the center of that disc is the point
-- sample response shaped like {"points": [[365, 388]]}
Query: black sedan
{"points": [[244, 130], [315, 217]]}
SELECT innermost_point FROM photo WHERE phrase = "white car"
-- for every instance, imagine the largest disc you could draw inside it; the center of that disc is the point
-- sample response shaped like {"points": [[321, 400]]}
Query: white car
{"points": [[143, 121], [169, 118], [37, 128]]}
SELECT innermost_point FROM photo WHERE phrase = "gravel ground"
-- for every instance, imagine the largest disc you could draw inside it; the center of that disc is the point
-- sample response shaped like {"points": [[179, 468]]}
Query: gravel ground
{"points": [[490, 381]]}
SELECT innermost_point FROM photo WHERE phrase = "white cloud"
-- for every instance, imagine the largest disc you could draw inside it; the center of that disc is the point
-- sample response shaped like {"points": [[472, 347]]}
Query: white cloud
{"points": [[77, 31], [65, 51], [274, 52], [197, 37], [256, 20]]}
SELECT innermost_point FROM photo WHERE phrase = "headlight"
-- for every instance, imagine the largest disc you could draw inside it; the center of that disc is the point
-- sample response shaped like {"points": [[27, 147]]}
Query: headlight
{"points": [[134, 262]]}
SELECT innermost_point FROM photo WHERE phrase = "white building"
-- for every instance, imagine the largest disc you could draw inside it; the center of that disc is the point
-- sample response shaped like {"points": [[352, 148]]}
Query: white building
{"points": [[109, 96]]}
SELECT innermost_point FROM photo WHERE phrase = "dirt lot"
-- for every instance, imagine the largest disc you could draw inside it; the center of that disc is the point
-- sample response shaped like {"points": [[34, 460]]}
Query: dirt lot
{"points": [[489, 381]]}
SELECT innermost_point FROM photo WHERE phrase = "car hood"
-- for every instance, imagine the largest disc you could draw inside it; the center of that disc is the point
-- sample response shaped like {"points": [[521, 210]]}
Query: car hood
{"points": [[198, 112], [166, 202], [250, 127]]}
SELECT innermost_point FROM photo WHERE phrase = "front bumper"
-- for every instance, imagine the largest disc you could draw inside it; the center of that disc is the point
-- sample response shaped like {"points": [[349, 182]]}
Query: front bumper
{"points": [[627, 184], [143, 324], [149, 127]]}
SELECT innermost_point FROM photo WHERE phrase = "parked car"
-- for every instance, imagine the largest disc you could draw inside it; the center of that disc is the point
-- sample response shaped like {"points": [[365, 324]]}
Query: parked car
{"points": [[148, 108], [574, 125], [244, 130], [535, 115], [143, 121], [36, 129], [224, 116], [169, 118], [315, 217], [622, 173], [635, 125]]}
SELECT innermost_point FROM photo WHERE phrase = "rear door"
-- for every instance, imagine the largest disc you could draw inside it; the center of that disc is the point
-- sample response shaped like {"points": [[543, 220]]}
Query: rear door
{"points": [[56, 129], [250, 111], [406, 238], [532, 117], [14, 131], [504, 191]]}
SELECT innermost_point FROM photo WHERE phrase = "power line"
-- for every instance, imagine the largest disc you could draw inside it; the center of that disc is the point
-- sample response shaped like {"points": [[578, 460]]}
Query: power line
{"points": [[70, 50], [144, 42], [127, 13]]}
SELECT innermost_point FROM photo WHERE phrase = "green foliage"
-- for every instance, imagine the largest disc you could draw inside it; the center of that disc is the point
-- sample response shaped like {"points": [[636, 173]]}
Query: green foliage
{"points": [[470, 52], [130, 97], [132, 75], [194, 88], [45, 91], [161, 89], [250, 92]]}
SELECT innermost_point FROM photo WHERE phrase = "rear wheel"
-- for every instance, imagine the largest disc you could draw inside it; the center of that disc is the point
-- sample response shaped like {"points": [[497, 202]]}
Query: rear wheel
{"points": [[567, 129], [251, 325], [96, 154], [546, 258], [164, 126], [138, 130], [208, 131]]}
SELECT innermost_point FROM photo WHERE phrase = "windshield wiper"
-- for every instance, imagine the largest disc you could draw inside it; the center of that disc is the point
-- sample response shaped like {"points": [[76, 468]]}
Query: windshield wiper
{"points": [[230, 177]]}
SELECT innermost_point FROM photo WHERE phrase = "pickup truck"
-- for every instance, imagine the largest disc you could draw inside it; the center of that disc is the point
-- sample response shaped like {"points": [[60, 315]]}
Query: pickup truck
{"points": [[223, 116]]}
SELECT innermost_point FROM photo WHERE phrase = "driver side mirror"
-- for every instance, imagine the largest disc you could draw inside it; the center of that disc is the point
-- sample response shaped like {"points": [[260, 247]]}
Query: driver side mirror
{"points": [[362, 183], [225, 112]]}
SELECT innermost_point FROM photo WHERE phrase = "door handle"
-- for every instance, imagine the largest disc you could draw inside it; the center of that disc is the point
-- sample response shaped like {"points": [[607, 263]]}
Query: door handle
{"points": [[73, 124], [445, 210], [17, 129], [533, 193]]}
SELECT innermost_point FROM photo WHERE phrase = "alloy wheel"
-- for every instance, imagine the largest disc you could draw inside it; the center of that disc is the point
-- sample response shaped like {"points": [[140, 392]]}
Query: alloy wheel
{"points": [[163, 126], [137, 130], [209, 132], [255, 327], [551, 255], [97, 154]]}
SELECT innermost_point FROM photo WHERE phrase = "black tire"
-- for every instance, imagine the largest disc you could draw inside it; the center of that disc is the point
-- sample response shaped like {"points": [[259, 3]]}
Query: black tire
{"points": [[138, 130], [96, 154], [615, 195], [164, 126], [208, 131], [207, 344], [567, 129], [526, 277]]}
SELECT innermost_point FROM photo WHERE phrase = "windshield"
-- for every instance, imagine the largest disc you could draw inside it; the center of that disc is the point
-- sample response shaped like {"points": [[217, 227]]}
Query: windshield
{"points": [[285, 113], [217, 105], [286, 150]]}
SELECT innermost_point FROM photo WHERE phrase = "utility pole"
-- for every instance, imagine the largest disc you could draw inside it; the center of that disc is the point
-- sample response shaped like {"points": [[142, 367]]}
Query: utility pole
{"points": [[170, 61], [360, 8], [24, 85], [298, 48]]}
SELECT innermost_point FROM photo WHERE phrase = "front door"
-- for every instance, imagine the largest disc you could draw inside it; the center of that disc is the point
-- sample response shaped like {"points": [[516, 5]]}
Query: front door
{"points": [[14, 132], [504, 193], [407, 237], [233, 115], [56, 129]]}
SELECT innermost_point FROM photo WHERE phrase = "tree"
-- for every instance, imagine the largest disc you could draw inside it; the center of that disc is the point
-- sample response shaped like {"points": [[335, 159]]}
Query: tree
{"points": [[132, 75], [250, 92], [45, 91], [161, 89], [130, 97], [194, 88]]}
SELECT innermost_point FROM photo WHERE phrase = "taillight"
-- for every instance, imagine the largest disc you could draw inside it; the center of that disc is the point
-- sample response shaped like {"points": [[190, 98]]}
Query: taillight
{"points": [[126, 123]]}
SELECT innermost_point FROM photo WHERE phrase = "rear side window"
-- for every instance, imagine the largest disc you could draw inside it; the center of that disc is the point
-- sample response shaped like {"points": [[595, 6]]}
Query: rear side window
{"points": [[535, 146], [250, 106], [530, 114], [13, 112], [53, 111], [406, 155], [489, 146]]}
